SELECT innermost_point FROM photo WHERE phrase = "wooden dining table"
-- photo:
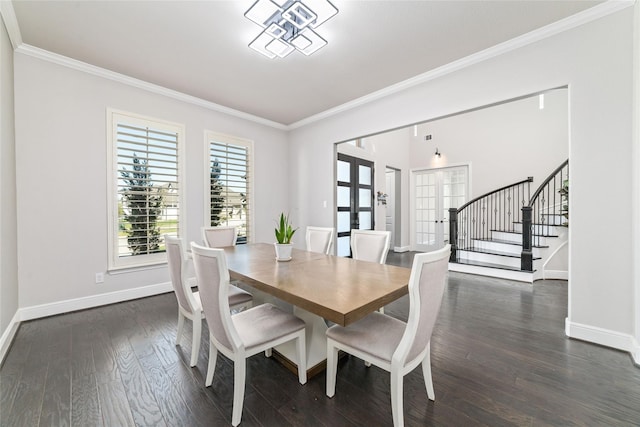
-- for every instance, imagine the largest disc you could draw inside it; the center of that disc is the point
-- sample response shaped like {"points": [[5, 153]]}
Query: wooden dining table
{"points": [[316, 287]]}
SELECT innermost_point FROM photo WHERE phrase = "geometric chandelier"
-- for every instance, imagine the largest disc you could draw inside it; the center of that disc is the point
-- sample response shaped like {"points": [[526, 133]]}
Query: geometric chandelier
{"points": [[289, 25]]}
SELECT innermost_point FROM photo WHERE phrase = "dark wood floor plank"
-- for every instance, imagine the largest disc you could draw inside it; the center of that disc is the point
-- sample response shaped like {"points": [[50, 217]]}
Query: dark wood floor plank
{"points": [[114, 404], [56, 405], [310, 407], [174, 409], [29, 393], [10, 374], [499, 357], [193, 391], [104, 358], [143, 404], [27, 401], [85, 402]]}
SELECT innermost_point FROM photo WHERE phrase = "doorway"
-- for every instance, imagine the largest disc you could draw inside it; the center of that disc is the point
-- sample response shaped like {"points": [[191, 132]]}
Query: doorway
{"points": [[434, 192], [393, 205], [354, 199]]}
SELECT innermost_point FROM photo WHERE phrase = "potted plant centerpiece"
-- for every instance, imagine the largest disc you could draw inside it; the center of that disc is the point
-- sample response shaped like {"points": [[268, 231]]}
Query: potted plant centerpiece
{"points": [[284, 233]]}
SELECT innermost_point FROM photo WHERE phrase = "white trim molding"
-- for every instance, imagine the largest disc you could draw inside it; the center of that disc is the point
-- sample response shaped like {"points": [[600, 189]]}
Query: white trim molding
{"points": [[7, 337], [555, 274], [584, 17], [11, 23], [66, 306], [581, 18], [601, 336], [140, 84]]}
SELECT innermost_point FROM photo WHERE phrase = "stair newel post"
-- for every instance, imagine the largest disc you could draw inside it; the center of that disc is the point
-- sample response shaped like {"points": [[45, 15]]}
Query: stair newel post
{"points": [[453, 233], [526, 263]]}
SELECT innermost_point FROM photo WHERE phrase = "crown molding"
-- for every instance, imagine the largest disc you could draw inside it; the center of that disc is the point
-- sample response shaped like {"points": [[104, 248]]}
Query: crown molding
{"points": [[11, 23], [140, 84], [584, 17], [573, 21]]}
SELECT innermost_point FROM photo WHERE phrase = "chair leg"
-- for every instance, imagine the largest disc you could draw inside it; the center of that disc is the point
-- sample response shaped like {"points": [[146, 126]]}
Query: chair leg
{"points": [[396, 397], [332, 368], [239, 374], [426, 373], [211, 369], [180, 327], [195, 342], [301, 353]]}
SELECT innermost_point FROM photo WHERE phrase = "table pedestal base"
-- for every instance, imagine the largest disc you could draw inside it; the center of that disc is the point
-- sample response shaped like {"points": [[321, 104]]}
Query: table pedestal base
{"points": [[316, 345]]}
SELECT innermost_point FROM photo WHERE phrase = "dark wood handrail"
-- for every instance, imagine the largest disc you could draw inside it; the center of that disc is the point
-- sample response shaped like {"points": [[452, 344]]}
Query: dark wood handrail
{"points": [[496, 210], [536, 210], [529, 179], [546, 181]]}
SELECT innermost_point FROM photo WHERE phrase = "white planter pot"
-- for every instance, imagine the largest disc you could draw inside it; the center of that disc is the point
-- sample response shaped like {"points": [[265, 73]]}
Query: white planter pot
{"points": [[283, 251]]}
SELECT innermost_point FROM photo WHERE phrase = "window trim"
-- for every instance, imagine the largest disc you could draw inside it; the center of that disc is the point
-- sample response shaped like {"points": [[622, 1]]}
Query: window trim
{"points": [[229, 139], [113, 117]]}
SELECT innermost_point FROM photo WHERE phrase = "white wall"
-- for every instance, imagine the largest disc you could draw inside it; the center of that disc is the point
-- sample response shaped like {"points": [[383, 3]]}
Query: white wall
{"points": [[599, 78], [8, 241], [393, 149], [504, 144], [62, 177], [387, 149]]}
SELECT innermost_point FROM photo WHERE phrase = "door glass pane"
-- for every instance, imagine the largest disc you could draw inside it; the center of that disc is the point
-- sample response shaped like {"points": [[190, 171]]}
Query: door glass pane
{"points": [[342, 246], [343, 171], [364, 175], [364, 198], [344, 196], [343, 222], [365, 221]]}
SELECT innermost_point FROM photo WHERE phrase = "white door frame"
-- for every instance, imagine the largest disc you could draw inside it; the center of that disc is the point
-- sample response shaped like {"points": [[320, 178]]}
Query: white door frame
{"points": [[412, 192]]}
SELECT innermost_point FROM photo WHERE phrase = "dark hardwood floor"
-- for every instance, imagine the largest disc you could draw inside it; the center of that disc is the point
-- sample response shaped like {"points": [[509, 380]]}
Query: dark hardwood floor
{"points": [[499, 357]]}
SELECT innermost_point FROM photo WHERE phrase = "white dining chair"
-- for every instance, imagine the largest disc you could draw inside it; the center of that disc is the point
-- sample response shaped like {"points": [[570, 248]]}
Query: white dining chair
{"points": [[370, 245], [391, 344], [243, 334], [189, 304], [319, 239], [220, 236]]}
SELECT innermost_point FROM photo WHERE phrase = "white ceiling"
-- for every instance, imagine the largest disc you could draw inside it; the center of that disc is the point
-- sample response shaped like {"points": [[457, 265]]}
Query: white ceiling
{"points": [[200, 48]]}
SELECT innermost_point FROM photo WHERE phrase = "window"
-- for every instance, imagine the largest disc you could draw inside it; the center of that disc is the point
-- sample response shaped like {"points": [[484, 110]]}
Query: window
{"points": [[145, 188], [228, 195]]}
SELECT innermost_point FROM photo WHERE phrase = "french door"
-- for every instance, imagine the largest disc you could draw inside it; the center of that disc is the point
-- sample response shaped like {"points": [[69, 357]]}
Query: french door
{"points": [[434, 192], [354, 199]]}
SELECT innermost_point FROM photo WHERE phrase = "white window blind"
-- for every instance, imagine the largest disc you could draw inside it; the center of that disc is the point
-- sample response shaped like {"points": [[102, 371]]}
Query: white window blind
{"points": [[229, 183], [146, 189]]}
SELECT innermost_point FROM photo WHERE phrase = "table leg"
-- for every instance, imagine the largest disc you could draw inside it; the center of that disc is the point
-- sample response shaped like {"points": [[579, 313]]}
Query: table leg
{"points": [[316, 338]]}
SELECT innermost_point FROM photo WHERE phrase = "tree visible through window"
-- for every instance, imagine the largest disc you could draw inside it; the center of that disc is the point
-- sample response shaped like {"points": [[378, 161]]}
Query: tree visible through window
{"points": [[146, 187], [142, 203], [229, 183]]}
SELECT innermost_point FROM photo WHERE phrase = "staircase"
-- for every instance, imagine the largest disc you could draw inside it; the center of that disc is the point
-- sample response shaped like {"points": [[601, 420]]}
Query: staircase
{"points": [[508, 234]]}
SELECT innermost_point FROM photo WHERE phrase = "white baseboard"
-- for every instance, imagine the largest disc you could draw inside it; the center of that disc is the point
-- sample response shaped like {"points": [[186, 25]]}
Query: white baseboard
{"points": [[401, 249], [603, 337], [636, 352], [8, 334], [51, 309], [555, 274]]}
